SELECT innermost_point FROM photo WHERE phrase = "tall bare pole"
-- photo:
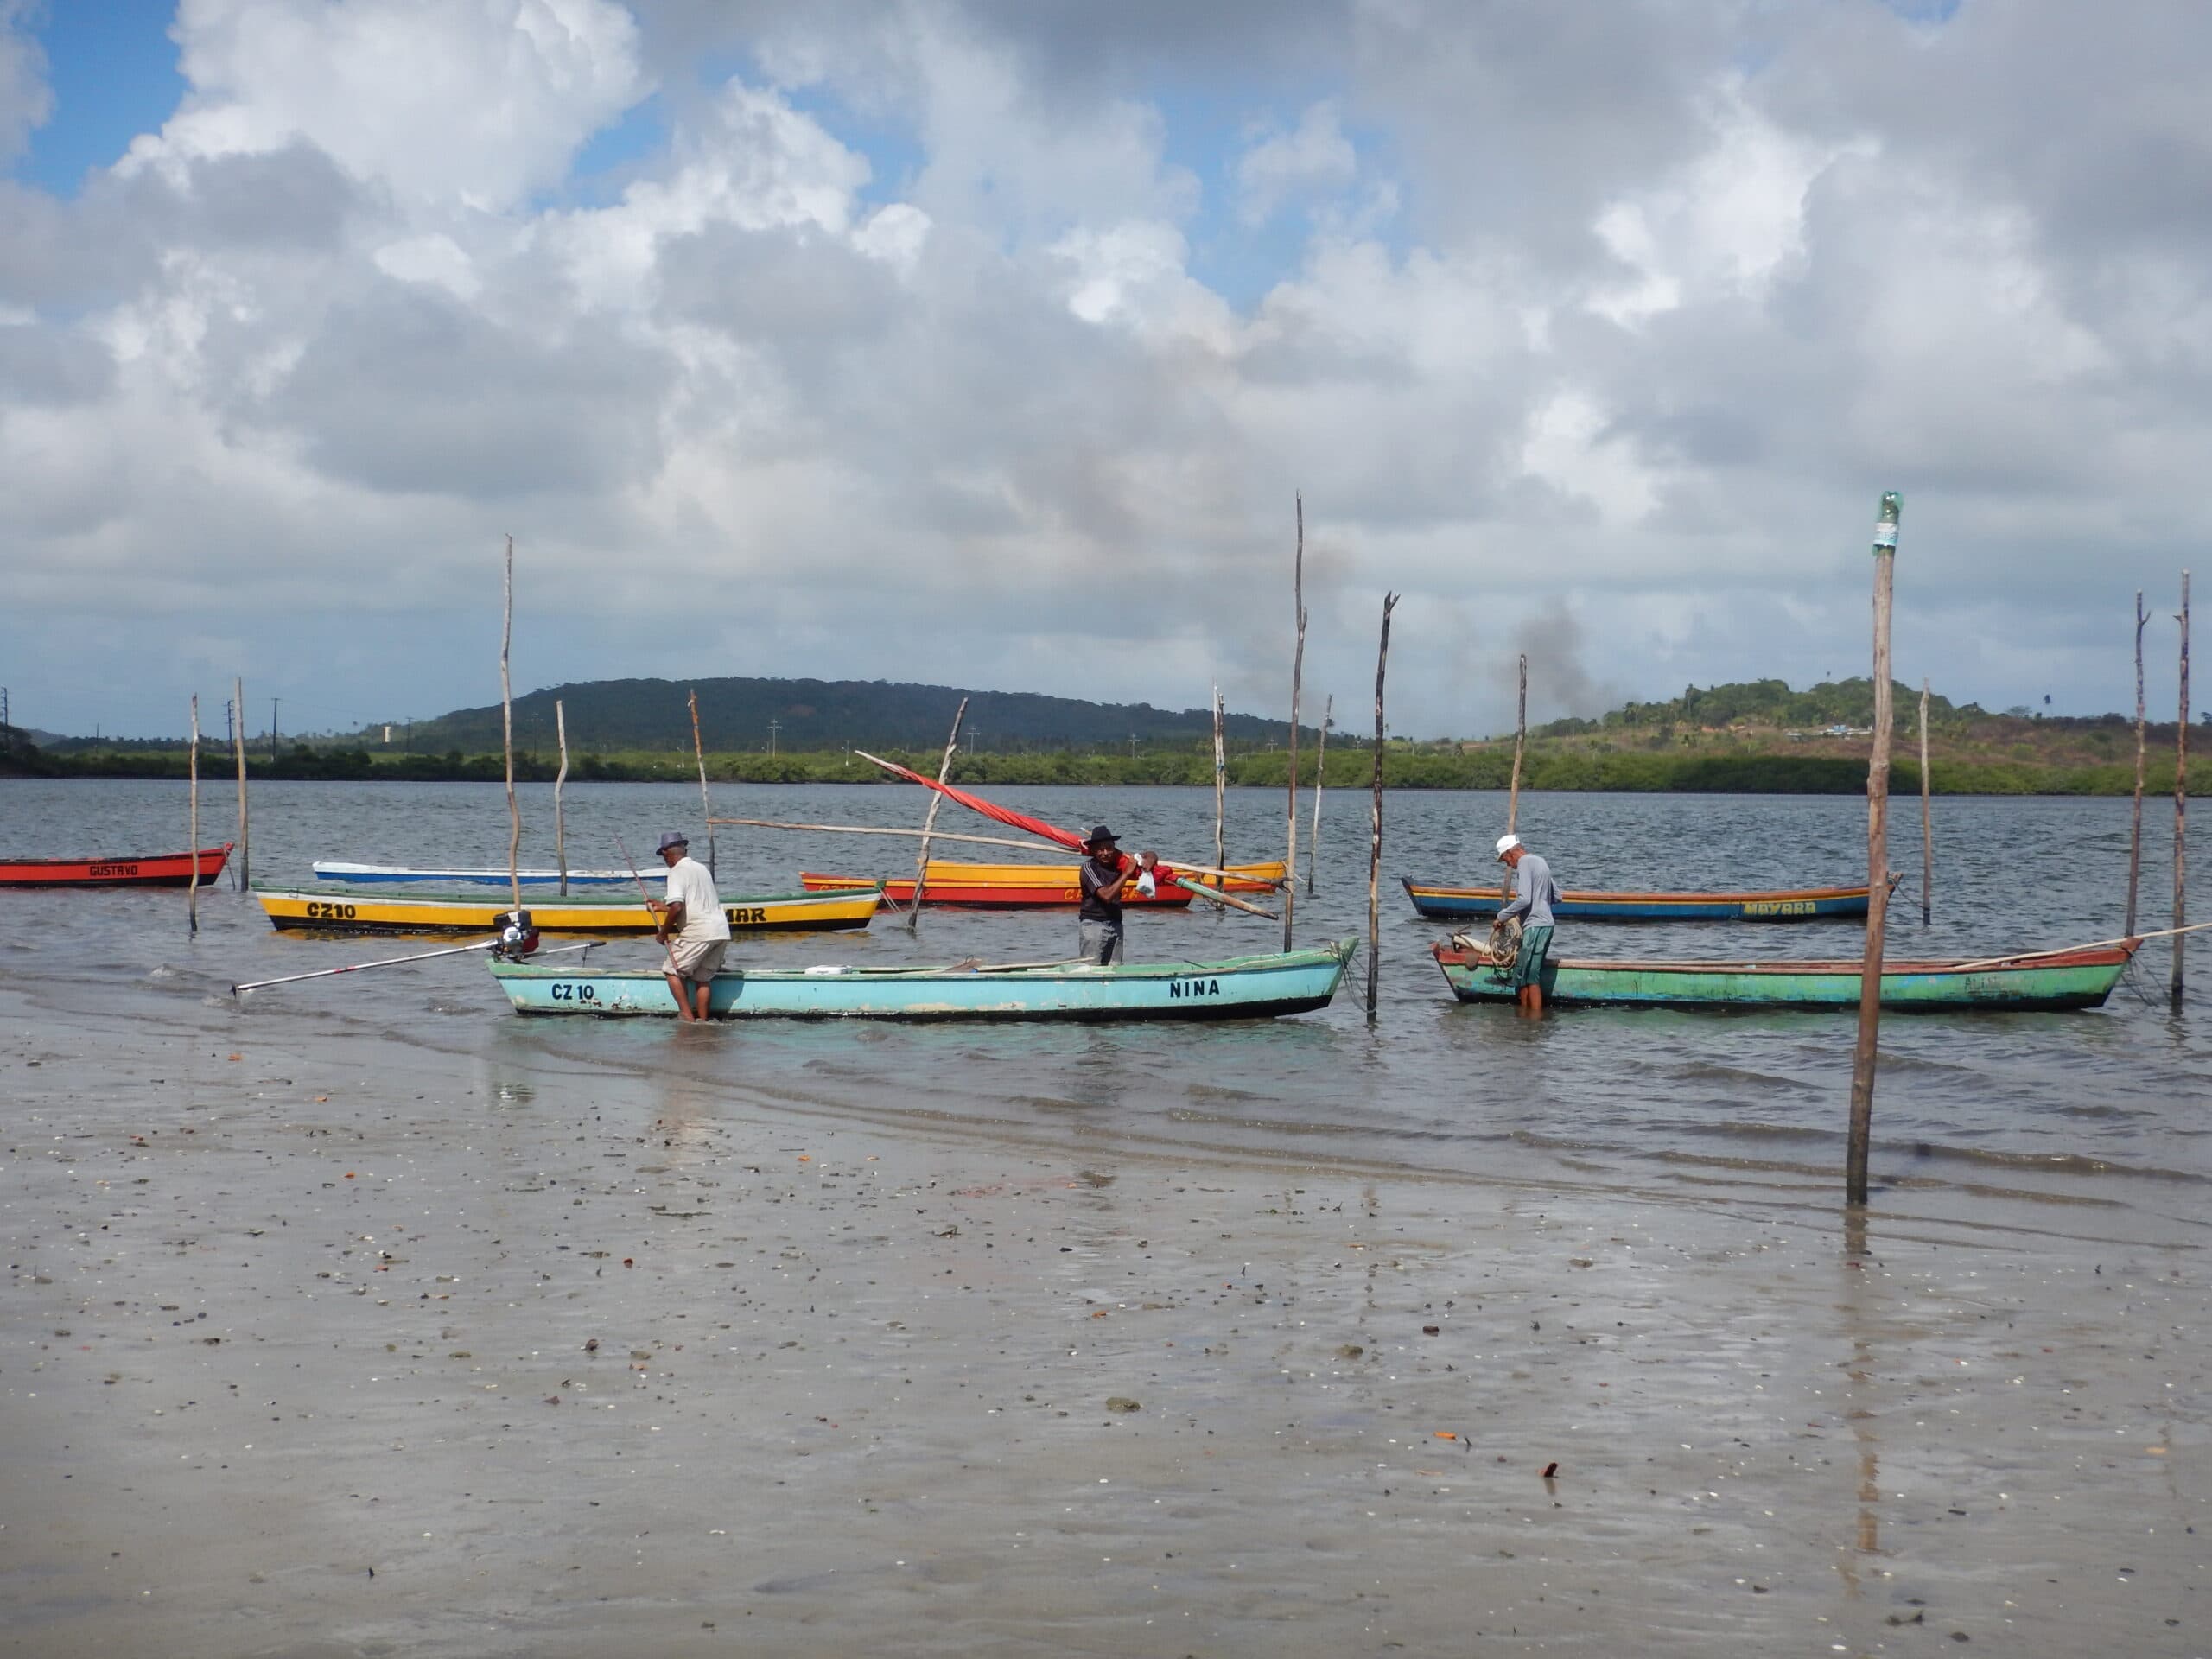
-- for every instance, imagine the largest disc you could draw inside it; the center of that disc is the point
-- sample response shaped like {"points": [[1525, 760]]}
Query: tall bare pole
{"points": [[1375, 840], [560, 780], [1320, 775], [1927, 821], [238, 750], [192, 843], [1520, 742], [928, 818], [507, 731], [706, 808], [1220, 786], [2181, 801], [1297, 674], [1877, 858], [2135, 831]]}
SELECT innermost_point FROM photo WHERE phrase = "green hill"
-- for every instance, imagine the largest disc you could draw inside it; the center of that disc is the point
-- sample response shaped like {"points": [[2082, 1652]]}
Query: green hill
{"points": [[738, 713]]}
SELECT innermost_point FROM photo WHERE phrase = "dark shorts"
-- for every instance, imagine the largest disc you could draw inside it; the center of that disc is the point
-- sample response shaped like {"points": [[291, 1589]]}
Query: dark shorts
{"points": [[1529, 966]]}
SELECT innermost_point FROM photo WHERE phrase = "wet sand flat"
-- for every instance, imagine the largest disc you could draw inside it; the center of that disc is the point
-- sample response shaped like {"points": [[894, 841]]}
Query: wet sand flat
{"points": [[318, 1342]]}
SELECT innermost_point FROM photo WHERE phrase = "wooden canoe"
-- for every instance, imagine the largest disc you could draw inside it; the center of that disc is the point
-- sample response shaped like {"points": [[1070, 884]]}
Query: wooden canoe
{"points": [[1242, 987], [1444, 904], [338, 910], [958, 886], [122, 870], [2045, 981], [370, 874]]}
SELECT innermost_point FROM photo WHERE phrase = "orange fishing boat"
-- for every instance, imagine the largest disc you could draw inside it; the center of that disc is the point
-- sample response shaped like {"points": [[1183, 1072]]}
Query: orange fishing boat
{"points": [[958, 886], [122, 870]]}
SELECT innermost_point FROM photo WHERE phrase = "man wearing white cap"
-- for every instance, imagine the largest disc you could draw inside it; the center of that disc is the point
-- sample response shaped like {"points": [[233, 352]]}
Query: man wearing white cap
{"points": [[1533, 890], [693, 925]]}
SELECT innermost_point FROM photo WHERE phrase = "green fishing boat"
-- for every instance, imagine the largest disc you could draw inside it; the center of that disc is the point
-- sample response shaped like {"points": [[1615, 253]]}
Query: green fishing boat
{"points": [[2081, 978]]}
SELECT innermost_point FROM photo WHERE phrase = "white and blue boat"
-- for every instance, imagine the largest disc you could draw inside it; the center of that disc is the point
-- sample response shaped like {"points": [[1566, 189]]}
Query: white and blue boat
{"points": [[329, 870], [1242, 987]]}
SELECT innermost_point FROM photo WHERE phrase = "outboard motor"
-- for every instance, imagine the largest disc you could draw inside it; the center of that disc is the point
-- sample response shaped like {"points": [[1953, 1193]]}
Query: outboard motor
{"points": [[517, 935]]}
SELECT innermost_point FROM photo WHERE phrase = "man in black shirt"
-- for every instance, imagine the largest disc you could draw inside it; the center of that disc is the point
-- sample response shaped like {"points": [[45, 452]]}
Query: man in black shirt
{"points": [[1104, 876]]}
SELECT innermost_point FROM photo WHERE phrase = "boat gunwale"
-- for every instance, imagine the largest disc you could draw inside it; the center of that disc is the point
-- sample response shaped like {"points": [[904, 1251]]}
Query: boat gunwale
{"points": [[2025, 961], [1591, 895]]}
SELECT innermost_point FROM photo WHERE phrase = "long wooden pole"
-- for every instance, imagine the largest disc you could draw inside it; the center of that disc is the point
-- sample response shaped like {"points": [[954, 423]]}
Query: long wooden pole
{"points": [[1520, 742], [2181, 802], [192, 886], [1375, 836], [1927, 821], [1878, 860], [706, 807], [1063, 850], [1220, 786], [928, 818], [238, 750], [560, 781], [2135, 831], [1320, 772], [1297, 674], [507, 731]]}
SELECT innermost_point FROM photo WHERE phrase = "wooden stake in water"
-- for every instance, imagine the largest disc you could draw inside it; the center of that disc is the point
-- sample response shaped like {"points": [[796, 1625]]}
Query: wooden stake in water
{"points": [[192, 885], [1520, 742], [2135, 831], [1297, 674], [1220, 786], [1375, 839], [238, 749], [1927, 821], [1878, 860], [507, 730], [706, 808], [2181, 801], [560, 780], [928, 818], [1320, 773]]}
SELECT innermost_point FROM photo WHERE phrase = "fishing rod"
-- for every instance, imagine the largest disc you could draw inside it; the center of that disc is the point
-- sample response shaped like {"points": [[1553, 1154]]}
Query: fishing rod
{"points": [[393, 962]]}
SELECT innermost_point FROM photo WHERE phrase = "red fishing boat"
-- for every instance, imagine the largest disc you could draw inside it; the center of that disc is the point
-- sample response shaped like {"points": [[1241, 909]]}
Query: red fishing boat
{"points": [[129, 870]]}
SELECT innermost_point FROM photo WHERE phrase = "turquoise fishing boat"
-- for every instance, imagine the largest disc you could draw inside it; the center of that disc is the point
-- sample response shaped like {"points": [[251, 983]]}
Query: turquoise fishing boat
{"points": [[1242, 988], [1442, 904], [2047, 980]]}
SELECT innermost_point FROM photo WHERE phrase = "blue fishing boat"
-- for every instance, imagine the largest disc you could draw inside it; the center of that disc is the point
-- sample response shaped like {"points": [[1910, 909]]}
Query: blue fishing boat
{"points": [[331, 870], [1242, 988], [1785, 904]]}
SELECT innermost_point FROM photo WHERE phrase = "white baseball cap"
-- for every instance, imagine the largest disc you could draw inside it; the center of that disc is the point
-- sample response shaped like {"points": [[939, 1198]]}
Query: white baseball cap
{"points": [[1506, 844]]}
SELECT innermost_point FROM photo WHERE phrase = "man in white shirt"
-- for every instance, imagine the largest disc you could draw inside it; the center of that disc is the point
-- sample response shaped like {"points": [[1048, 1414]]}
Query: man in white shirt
{"points": [[692, 926]]}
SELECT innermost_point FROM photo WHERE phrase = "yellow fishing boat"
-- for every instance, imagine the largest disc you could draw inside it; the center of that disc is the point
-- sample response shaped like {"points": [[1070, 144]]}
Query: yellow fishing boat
{"points": [[351, 911], [962, 886]]}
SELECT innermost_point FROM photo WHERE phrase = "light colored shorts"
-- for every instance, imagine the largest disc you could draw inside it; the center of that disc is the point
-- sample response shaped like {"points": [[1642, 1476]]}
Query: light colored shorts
{"points": [[700, 960], [1099, 942]]}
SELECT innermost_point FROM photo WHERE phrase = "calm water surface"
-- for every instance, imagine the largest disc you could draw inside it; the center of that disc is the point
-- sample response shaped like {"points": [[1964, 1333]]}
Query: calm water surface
{"points": [[2009, 1120]]}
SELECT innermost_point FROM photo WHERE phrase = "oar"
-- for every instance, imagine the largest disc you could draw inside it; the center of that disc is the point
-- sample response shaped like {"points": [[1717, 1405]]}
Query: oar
{"points": [[2069, 949], [893, 767], [1218, 896], [392, 962], [673, 971]]}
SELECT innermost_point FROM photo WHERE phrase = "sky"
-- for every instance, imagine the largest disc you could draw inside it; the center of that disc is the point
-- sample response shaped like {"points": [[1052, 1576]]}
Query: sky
{"points": [[993, 343]]}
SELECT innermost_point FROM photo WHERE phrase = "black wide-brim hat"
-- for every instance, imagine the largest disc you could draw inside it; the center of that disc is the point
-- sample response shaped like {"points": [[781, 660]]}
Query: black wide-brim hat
{"points": [[1100, 835]]}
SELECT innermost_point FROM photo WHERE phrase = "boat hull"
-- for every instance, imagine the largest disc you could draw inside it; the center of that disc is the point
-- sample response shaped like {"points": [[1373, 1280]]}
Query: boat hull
{"points": [[1246, 987], [398, 874], [137, 870], [957, 885], [2079, 979], [340, 910], [1443, 904]]}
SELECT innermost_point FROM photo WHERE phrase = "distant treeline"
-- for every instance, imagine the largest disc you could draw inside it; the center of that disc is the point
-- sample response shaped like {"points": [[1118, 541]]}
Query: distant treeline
{"points": [[620, 717], [1349, 767]]}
